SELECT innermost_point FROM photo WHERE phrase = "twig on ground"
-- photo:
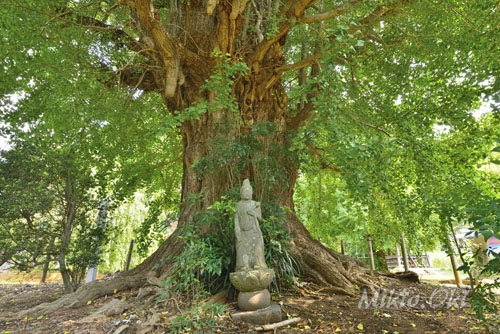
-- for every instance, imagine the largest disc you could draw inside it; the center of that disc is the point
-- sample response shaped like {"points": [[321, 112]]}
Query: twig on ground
{"points": [[278, 324]]}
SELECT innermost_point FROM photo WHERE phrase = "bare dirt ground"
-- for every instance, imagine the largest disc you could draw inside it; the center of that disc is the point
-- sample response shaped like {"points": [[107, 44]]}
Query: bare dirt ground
{"points": [[401, 308]]}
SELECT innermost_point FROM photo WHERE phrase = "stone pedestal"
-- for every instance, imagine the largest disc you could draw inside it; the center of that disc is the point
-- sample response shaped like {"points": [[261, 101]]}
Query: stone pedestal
{"points": [[254, 300], [268, 315], [254, 297]]}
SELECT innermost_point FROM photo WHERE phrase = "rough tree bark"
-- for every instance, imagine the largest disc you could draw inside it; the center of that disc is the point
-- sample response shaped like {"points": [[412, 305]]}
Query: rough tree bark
{"points": [[179, 62]]}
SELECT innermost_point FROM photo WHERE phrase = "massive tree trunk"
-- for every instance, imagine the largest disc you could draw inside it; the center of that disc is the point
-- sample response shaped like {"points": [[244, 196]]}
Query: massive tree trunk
{"points": [[181, 60], [324, 266]]}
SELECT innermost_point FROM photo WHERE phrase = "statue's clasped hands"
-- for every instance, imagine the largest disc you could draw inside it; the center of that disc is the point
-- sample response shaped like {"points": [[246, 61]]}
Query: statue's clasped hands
{"points": [[253, 212]]}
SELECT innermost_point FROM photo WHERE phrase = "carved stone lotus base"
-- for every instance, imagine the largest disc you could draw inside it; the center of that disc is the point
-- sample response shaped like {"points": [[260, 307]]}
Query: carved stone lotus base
{"points": [[254, 298], [252, 280]]}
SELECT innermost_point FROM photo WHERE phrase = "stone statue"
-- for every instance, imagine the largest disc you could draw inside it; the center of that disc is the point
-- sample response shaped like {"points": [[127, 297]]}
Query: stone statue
{"points": [[252, 276], [249, 240]]}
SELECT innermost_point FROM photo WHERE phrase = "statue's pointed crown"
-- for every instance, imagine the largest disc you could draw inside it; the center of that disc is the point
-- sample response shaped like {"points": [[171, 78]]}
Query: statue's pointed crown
{"points": [[246, 184]]}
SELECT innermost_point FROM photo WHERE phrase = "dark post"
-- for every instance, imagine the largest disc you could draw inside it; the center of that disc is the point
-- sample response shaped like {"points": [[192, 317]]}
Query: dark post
{"points": [[129, 255], [454, 266], [405, 253], [342, 247]]}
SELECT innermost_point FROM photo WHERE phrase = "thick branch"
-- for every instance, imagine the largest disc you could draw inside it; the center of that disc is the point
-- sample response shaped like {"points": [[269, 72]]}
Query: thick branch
{"points": [[383, 11], [70, 16], [300, 64], [118, 35], [31, 226], [305, 112], [166, 46], [304, 115], [294, 10]]}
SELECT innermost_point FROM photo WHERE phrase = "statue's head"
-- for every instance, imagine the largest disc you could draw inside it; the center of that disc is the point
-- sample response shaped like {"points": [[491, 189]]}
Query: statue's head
{"points": [[246, 190]]}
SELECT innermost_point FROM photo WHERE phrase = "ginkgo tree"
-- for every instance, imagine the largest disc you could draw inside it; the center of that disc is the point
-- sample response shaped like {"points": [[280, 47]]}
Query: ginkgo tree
{"points": [[250, 85]]}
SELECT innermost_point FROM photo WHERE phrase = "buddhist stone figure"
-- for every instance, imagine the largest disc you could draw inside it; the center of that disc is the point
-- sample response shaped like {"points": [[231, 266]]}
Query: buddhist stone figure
{"points": [[249, 240], [252, 276]]}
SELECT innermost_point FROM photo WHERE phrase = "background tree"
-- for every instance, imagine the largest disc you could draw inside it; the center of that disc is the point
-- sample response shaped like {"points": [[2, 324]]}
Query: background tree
{"points": [[47, 210], [24, 194]]}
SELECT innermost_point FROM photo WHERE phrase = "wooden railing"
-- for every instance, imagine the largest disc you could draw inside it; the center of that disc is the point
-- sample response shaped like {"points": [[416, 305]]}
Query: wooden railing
{"points": [[415, 261]]}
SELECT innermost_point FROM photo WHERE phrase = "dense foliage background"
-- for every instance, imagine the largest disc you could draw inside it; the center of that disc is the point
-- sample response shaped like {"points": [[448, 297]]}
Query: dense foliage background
{"points": [[402, 101]]}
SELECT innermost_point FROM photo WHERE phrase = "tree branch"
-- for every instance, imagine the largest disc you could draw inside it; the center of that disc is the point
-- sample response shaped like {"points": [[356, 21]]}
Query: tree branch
{"points": [[383, 11], [292, 10], [163, 43], [296, 10], [315, 151], [305, 114], [327, 15], [32, 227], [83, 21], [373, 127], [376, 16], [300, 64]]}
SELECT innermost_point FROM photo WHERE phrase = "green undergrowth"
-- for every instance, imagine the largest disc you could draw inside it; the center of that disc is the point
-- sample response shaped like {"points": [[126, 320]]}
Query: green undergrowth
{"points": [[204, 266]]}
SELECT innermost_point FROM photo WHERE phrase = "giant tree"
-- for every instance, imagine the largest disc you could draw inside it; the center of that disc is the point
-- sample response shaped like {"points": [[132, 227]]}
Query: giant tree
{"points": [[246, 83]]}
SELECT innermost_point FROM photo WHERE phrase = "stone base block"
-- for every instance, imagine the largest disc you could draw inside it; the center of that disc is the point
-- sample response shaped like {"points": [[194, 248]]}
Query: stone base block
{"points": [[268, 315], [255, 300]]}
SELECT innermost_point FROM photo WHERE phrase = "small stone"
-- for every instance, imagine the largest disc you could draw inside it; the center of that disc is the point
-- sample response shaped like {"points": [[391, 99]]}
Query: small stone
{"points": [[268, 315]]}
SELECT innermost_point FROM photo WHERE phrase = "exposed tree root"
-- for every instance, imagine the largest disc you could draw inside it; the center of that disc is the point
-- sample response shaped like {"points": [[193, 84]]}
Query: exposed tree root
{"points": [[335, 272], [133, 279], [89, 291], [113, 307], [327, 271], [405, 276]]}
